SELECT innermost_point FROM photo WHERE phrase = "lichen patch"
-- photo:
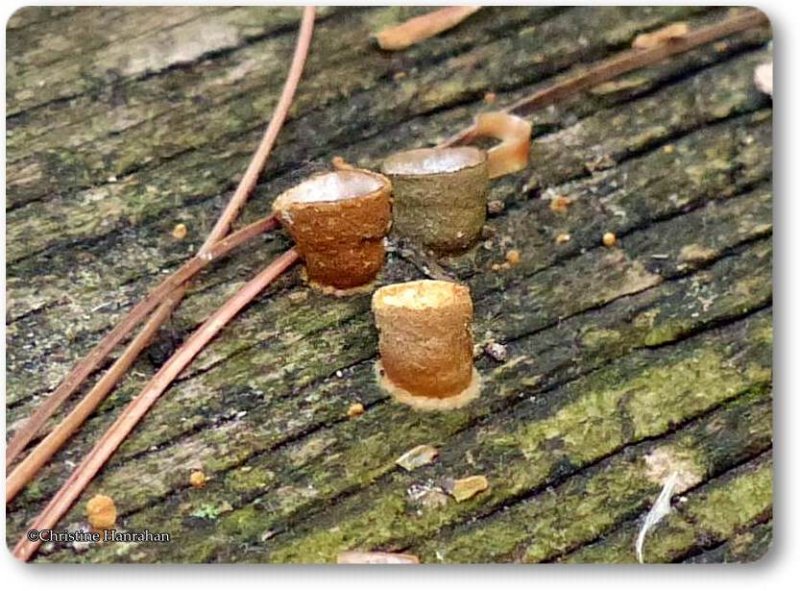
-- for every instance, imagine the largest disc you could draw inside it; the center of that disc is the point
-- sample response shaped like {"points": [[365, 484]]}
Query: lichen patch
{"points": [[663, 461]]}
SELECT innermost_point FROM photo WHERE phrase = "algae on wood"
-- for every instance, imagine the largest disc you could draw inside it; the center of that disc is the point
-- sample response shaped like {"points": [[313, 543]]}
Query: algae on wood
{"points": [[660, 343]]}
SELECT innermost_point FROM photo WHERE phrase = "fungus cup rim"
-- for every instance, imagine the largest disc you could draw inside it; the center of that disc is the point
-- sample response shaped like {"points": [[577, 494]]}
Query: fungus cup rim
{"points": [[426, 162], [422, 294], [308, 192]]}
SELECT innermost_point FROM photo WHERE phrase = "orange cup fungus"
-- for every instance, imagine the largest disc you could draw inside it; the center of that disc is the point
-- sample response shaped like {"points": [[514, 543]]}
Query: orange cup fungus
{"points": [[426, 344], [339, 221]]}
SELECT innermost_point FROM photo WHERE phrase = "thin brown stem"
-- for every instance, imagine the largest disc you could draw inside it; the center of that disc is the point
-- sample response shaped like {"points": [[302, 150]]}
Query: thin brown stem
{"points": [[259, 159], [623, 63], [139, 406], [82, 475], [30, 466], [137, 314], [207, 253], [173, 288]]}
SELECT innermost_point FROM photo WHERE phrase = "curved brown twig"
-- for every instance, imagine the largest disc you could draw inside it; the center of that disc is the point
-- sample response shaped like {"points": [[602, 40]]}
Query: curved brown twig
{"points": [[28, 468], [514, 133], [137, 314], [623, 63], [207, 253], [137, 408], [256, 165]]}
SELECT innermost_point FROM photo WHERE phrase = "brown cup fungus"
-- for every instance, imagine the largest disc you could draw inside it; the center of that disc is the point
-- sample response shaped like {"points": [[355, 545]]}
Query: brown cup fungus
{"points": [[426, 344], [339, 221], [439, 196]]}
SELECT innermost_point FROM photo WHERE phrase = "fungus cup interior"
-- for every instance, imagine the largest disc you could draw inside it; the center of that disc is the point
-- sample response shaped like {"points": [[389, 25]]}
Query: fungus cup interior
{"points": [[417, 295], [330, 187], [433, 160]]}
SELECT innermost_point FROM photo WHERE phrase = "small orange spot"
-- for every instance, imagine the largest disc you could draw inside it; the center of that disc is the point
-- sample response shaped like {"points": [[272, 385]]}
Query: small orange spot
{"points": [[101, 512], [179, 231], [197, 479], [560, 203], [513, 257], [356, 410], [563, 238], [609, 239]]}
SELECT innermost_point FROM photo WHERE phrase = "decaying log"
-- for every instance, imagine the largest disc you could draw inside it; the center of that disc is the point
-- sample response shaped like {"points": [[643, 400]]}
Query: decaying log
{"points": [[659, 347]]}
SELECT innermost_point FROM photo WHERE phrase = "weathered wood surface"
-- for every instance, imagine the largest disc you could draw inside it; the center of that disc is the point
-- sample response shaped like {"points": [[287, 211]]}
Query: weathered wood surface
{"points": [[123, 122]]}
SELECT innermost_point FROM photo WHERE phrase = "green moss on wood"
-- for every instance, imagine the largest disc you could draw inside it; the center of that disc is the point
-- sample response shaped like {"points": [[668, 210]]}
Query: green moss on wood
{"points": [[263, 411]]}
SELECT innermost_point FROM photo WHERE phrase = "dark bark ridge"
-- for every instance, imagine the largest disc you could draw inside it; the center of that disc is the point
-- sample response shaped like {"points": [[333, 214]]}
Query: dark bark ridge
{"points": [[661, 344]]}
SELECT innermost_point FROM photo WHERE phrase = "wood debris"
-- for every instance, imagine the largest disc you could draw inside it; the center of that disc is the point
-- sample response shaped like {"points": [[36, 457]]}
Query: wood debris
{"points": [[560, 203], [513, 257], [423, 27], [495, 206], [356, 410], [466, 488], [297, 297], [661, 36], [613, 86], [497, 351], [514, 133], [620, 64], [763, 78], [417, 457], [658, 511], [355, 557], [428, 498], [696, 253], [662, 462]]}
